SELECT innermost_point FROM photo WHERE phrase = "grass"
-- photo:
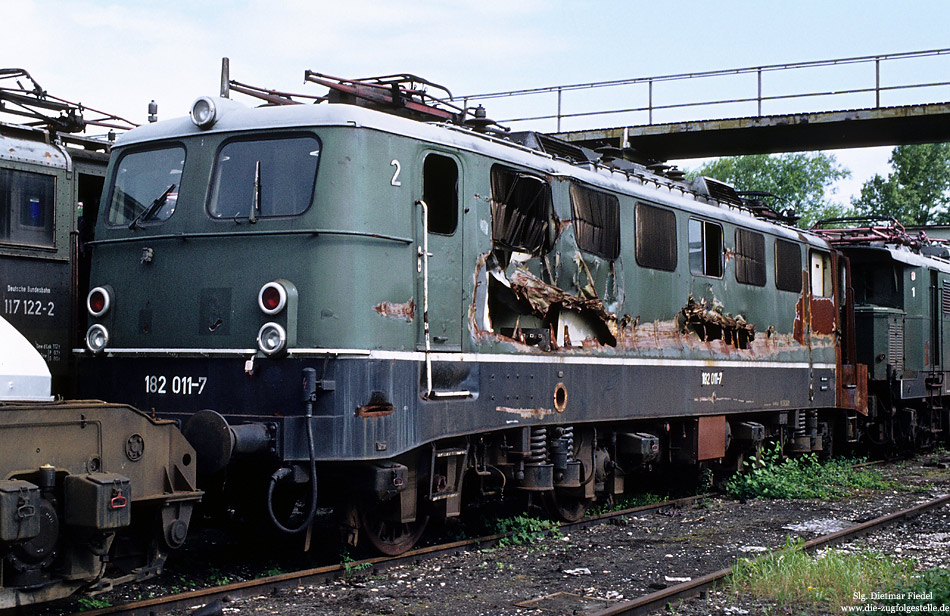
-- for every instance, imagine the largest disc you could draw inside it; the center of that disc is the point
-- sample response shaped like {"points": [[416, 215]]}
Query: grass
{"points": [[790, 577], [91, 603], [524, 530], [915, 592], [771, 475]]}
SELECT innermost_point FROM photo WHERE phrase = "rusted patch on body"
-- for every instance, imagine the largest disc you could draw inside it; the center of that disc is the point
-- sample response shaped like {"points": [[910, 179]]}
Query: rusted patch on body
{"points": [[392, 310], [525, 413], [378, 406], [823, 315]]}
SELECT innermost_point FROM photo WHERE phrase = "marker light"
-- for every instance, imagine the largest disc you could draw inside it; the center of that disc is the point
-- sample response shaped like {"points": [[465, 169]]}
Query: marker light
{"points": [[272, 298], [271, 338], [97, 337], [98, 301], [203, 112]]}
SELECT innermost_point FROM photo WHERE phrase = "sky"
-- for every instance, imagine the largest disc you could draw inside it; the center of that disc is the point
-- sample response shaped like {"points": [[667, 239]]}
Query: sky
{"points": [[119, 55]]}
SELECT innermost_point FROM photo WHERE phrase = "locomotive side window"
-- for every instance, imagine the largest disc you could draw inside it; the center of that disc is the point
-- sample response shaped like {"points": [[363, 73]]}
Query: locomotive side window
{"points": [[262, 177], [440, 189], [656, 237], [750, 257], [705, 248], [146, 186], [596, 221], [788, 266], [522, 211], [26, 207], [820, 274]]}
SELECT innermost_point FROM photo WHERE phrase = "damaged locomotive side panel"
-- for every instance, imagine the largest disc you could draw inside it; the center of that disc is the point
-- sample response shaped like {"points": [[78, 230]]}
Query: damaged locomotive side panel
{"points": [[568, 266]]}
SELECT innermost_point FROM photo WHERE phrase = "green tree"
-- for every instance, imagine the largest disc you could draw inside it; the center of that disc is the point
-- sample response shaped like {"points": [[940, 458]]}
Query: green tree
{"points": [[803, 181], [917, 190]]}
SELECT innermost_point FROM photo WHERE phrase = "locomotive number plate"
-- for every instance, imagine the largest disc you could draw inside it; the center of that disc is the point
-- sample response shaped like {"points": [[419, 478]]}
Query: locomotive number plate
{"points": [[176, 385]]}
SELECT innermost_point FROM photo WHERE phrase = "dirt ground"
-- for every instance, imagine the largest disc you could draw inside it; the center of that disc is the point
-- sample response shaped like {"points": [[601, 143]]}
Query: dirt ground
{"points": [[580, 571]]}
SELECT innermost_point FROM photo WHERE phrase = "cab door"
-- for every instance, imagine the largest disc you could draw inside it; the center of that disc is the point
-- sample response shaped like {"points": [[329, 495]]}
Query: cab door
{"points": [[440, 271]]}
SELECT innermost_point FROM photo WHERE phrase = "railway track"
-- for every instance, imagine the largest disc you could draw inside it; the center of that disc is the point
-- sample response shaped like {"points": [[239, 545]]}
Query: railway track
{"points": [[209, 601], [660, 599]]}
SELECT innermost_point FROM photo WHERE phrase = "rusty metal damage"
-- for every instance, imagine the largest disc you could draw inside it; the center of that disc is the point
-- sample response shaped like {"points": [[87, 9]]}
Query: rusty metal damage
{"points": [[523, 310], [378, 406], [709, 323], [392, 310]]}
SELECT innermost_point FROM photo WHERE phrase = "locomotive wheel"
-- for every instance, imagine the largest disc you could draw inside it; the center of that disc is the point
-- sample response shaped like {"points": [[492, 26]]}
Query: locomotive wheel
{"points": [[565, 507], [388, 536]]}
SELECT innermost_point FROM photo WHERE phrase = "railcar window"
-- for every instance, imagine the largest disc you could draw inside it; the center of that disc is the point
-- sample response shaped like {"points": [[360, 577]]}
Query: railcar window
{"points": [[820, 274], [656, 237], [788, 266], [596, 221], [146, 185], [440, 179], [750, 257], [264, 177], [705, 248], [26, 207], [522, 211]]}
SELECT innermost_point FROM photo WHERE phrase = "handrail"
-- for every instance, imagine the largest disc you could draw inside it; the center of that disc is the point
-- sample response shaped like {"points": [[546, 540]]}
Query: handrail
{"points": [[877, 89]]}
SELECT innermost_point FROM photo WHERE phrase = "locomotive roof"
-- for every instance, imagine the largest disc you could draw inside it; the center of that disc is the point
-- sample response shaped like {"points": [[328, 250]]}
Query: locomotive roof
{"points": [[900, 254], [233, 117], [26, 145]]}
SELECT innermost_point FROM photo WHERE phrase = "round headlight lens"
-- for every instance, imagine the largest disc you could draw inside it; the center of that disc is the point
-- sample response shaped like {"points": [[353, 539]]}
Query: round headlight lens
{"points": [[272, 298], [203, 112], [271, 338], [97, 337], [98, 301]]}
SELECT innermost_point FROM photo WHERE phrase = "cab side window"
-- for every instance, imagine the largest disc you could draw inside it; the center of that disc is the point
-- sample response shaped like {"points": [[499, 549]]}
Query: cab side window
{"points": [[440, 189], [26, 207]]}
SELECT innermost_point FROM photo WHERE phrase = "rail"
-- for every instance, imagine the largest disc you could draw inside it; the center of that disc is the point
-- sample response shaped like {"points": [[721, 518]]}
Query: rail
{"points": [[760, 98]]}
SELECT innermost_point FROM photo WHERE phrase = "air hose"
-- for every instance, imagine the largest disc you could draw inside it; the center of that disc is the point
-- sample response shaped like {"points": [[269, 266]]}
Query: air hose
{"points": [[284, 473]]}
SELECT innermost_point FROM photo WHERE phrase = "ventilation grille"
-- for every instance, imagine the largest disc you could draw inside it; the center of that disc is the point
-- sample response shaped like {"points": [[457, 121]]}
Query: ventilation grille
{"points": [[895, 344], [717, 190], [945, 298]]}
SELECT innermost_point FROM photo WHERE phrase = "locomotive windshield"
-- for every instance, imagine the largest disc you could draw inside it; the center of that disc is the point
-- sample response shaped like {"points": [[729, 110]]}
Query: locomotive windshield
{"points": [[146, 186], [264, 177]]}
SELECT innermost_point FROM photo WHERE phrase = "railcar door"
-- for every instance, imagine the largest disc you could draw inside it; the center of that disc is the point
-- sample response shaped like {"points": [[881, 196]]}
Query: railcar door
{"points": [[440, 274], [822, 321]]}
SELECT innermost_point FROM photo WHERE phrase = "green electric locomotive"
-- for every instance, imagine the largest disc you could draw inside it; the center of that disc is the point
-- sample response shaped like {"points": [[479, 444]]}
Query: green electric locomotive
{"points": [[369, 303]]}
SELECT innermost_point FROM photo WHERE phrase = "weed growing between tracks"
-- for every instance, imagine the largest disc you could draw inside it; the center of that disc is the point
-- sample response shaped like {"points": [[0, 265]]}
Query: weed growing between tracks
{"points": [[525, 530], [771, 475], [91, 603]]}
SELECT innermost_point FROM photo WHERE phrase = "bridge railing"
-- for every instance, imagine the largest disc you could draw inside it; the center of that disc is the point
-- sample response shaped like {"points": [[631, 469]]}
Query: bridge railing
{"points": [[640, 100]]}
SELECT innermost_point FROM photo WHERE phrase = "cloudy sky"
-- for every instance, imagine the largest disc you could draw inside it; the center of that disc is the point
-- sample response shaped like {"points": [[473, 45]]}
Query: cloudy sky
{"points": [[118, 56]]}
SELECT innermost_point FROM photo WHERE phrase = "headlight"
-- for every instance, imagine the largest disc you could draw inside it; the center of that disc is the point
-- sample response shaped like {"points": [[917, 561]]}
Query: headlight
{"points": [[203, 112], [98, 301], [271, 338], [97, 337], [272, 298]]}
